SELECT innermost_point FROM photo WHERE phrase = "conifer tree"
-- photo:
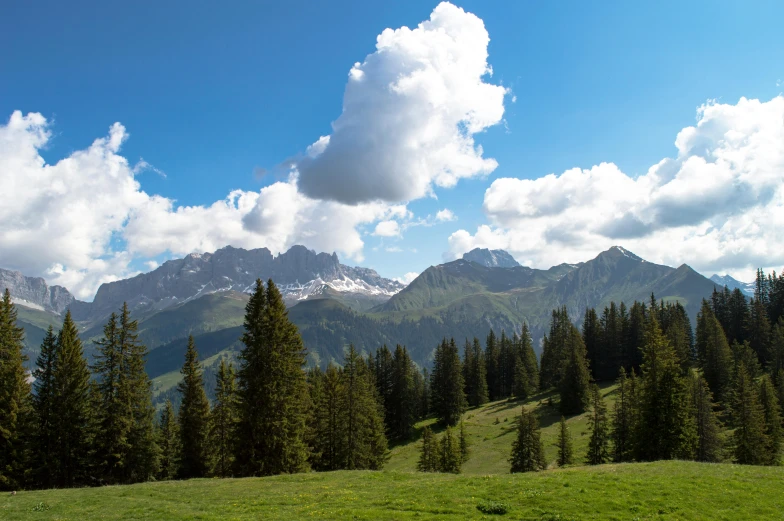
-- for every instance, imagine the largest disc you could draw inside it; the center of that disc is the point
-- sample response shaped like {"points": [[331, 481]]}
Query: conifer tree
{"points": [[428, 452], [623, 428], [45, 432], [744, 354], [665, 418], [478, 372], [555, 351], [425, 397], [366, 443], [777, 348], [15, 398], [599, 443], [450, 457], [750, 442], [772, 413], [402, 414], [194, 418], [527, 449], [465, 444], [575, 383], [493, 370], [71, 378], [526, 366], [759, 331], [384, 377], [169, 443], [223, 418], [446, 384], [564, 444], [142, 458], [328, 441], [592, 338], [709, 444], [272, 391], [713, 352]]}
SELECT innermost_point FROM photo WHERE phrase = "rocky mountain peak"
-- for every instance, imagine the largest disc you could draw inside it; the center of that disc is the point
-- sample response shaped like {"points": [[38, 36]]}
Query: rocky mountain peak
{"points": [[33, 292], [491, 258]]}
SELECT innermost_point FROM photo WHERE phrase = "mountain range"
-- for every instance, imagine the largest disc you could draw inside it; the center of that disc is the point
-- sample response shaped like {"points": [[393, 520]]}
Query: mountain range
{"points": [[747, 288], [333, 304]]}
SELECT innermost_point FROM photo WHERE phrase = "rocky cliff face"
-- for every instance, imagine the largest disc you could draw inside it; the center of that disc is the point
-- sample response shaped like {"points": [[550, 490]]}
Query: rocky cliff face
{"points": [[299, 273], [491, 258], [33, 292]]}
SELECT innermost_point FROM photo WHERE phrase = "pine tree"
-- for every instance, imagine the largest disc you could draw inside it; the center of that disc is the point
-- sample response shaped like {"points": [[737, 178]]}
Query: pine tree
{"points": [[142, 458], [428, 452], [526, 382], [223, 418], [713, 352], [772, 412], [759, 332], [555, 351], [328, 440], [272, 392], [750, 442], [479, 374], [15, 398], [366, 443], [622, 431], [709, 444], [575, 383], [492, 362], [465, 445], [115, 414], [777, 348], [44, 405], [71, 378], [527, 449], [194, 418], [592, 338], [446, 384], [384, 377], [667, 426], [450, 458], [564, 444], [599, 443], [169, 443], [402, 413]]}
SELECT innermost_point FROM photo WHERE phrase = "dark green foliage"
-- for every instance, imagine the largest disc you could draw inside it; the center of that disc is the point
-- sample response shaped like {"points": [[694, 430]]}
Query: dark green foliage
{"points": [[599, 443], [575, 383], [168, 443], [592, 338], [383, 368], [666, 426], [465, 444], [366, 444], [750, 441], [555, 351], [327, 393], [194, 418], [446, 384], [709, 444], [759, 333], [713, 352], [624, 413], [526, 368], [527, 449], [223, 419], [475, 374], [72, 414], [402, 414], [777, 348], [272, 392], [493, 366], [745, 355], [450, 457], [493, 508], [15, 398], [428, 453], [772, 412], [45, 433], [564, 444]]}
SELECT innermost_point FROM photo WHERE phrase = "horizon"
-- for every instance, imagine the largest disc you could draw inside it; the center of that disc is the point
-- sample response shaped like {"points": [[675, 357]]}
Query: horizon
{"points": [[402, 142]]}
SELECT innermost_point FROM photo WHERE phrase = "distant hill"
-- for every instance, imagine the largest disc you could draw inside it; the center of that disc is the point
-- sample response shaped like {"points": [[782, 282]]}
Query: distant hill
{"points": [[725, 280], [491, 258]]}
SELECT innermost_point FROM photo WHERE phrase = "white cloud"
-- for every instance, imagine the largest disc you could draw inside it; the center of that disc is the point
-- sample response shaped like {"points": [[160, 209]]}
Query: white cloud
{"points": [[393, 249], [718, 205], [82, 221], [408, 278], [410, 111], [445, 215], [387, 229]]}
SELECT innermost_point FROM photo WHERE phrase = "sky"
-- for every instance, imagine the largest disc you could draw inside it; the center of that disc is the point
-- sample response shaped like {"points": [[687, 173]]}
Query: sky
{"points": [[397, 134]]}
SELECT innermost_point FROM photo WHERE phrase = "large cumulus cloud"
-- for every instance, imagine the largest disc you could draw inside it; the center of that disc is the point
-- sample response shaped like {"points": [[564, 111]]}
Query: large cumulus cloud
{"points": [[717, 205]]}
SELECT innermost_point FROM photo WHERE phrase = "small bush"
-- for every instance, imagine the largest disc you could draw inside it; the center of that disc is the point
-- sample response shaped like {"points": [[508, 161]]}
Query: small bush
{"points": [[492, 508], [41, 507]]}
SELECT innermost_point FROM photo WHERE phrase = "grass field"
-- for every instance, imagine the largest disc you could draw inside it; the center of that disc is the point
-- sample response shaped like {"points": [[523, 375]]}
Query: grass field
{"points": [[641, 491]]}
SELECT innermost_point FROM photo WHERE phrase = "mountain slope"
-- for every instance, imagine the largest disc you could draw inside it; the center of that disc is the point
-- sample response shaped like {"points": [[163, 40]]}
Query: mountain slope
{"points": [[725, 280], [491, 258]]}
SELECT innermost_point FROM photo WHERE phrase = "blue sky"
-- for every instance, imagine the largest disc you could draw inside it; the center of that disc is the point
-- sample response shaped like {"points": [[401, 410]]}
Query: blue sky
{"points": [[210, 94]]}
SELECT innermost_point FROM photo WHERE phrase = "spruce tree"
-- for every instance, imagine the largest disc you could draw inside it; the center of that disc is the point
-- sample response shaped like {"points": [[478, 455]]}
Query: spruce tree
{"points": [[402, 414], [446, 384], [428, 452], [527, 449], [555, 351], [666, 425], [622, 430], [592, 338], [272, 391], [366, 443], [44, 405], [450, 458], [384, 377], [169, 443], [564, 444], [194, 418], [465, 444], [599, 442], [493, 369], [479, 376], [709, 444], [714, 353], [15, 398], [777, 349], [772, 413], [71, 420], [750, 442], [328, 439], [759, 331], [223, 418], [526, 381], [575, 383], [143, 455]]}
